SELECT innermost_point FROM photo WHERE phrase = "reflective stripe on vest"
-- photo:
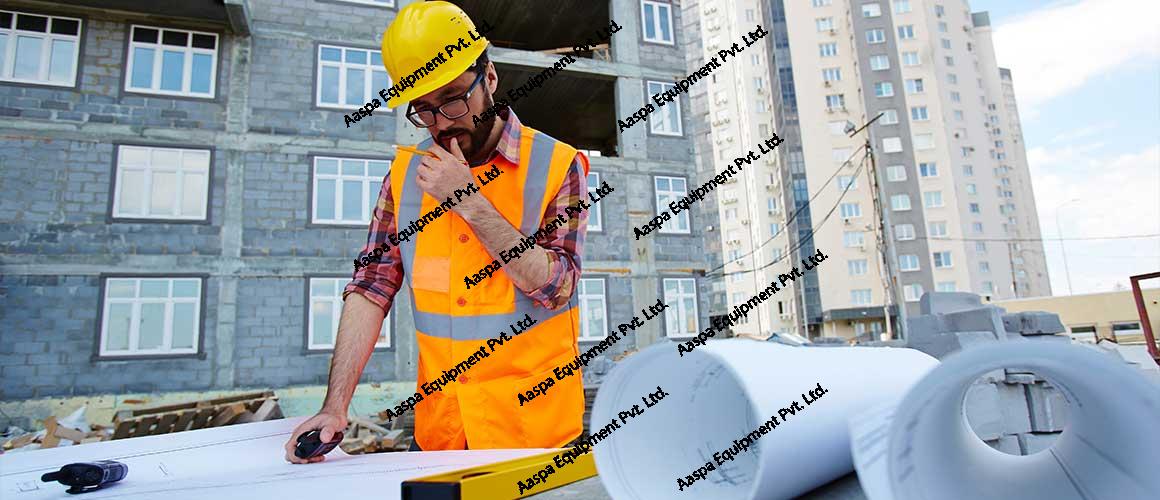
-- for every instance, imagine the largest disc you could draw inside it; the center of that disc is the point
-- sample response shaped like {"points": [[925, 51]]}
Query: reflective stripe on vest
{"points": [[482, 326]]}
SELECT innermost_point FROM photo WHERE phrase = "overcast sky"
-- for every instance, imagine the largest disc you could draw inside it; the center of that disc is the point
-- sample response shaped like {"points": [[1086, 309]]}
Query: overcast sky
{"points": [[1087, 81]]}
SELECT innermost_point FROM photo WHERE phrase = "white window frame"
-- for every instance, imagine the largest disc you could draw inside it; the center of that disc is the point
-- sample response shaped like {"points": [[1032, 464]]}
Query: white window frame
{"points": [[883, 89], [900, 203], [187, 70], [839, 99], [657, 23], [336, 304], [135, 302], [942, 259], [833, 74], [857, 294], [656, 126], [912, 292], [936, 229], [911, 58], [928, 197], [914, 86], [847, 181], [891, 144], [871, 10], [922, 142], [584, 295], [901, 6], [47, 37], [903, 232], [662, 199], [919, 113], [677, 306], [925, 172], [857, 267], [850, 241], [149, 171], [908, 262], [892, 170], [875, 36], [889, 117], [881, 58], [850, 210], [906, 32], [370, 187], [824, 23], [594, 213], [823, 52], [369, 71]]}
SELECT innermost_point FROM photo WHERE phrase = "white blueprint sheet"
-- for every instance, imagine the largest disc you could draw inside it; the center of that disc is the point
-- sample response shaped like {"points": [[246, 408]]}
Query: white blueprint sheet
{"points": [[239, 461]]}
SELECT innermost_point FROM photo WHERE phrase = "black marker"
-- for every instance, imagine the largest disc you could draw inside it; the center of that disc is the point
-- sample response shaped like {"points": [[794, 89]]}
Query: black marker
{"points": [[88, 476]]}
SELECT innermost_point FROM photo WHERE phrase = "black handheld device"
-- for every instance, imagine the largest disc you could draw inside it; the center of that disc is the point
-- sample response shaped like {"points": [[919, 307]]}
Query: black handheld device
{"points": [[88, 476], [310, 444]]}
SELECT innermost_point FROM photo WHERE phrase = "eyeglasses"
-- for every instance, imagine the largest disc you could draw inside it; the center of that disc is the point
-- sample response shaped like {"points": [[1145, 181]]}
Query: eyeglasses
{"points": [[452, 108]]}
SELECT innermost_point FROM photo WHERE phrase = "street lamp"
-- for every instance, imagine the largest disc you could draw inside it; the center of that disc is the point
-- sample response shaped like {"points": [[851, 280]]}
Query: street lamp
{"points": [[1062, 247]]}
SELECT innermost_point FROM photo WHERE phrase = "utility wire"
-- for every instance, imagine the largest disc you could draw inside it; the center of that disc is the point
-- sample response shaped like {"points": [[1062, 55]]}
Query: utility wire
{"points": [[1082, 238], [796, 212], [808, 236]]}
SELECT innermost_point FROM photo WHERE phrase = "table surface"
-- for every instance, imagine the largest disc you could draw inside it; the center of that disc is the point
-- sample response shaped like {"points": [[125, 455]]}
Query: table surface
{"points": [[843, 488]]}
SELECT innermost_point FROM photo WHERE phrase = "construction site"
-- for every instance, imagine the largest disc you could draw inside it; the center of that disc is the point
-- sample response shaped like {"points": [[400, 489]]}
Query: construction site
{"points": [[730, 249]]}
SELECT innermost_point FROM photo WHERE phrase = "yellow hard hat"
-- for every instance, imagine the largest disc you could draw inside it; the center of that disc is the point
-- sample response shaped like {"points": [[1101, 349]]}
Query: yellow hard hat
{"points": [[420, 32]]}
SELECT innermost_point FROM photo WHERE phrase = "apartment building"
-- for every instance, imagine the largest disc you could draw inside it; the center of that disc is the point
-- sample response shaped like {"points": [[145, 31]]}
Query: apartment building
{"points": [[183, 198], [948, 169]]}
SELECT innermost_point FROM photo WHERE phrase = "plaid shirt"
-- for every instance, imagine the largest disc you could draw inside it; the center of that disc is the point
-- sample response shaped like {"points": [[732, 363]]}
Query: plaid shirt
{"points": [[380, 281]]}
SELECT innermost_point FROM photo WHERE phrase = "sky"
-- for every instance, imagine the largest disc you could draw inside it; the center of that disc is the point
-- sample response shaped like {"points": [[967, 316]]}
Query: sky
{"points": [[1087, 84]]}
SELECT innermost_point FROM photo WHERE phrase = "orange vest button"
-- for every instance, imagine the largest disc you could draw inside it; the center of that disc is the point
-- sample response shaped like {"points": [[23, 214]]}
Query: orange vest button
{"points": [[462, 301], [463, 238], [463, 379]]}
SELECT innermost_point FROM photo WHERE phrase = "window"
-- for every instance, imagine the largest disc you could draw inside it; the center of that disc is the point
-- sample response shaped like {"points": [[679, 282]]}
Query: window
{"points": [[923, 141], [345, 190], [594, 223], [831, 74], [939, 11], [824, 23], [944, 286], [908, 262], [39, 49], [749, 16], [761, 109], [847, 182], [835, 101], [942, 27], [829, 49], [670, 189], [912, 292], [906, 32], [950, 61], [731, 214], [937, 229], [850, 210], [910, 59], [956, 97], [773, 229], [838, 128], [900, 202], [958, 114], [871, 10], [879, 62], [762, 128], [172, 62], [914, 86], [771, 205], [927, 169], [875, 36], [681, 315], [946, 44], [142, 316], [889, 117], [593, 309], [1127, 331], [853, 239], [932, 199], [860, 297], [161, 183], [758, 82], [658, 21], [349, 76], [952, 78], [821, 3], [942, 260], [326, 308], [901, 6], [918, 113], [891, 144], [984, 266], [896, 173], [977, 227], [973, 208], [904, 232], [980, 246], [1083, 333], [857, 267], [669, 121], [988, 287], [972, 189], [968, 170], [840, 155]]}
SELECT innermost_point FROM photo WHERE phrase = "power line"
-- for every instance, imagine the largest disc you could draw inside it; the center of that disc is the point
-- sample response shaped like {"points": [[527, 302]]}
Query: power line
{"points": [[809, 236], [1082, 238], [796, 212]]}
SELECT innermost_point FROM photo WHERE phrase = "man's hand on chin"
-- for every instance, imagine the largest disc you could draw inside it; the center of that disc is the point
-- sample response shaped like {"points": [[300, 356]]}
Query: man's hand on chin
{"points": [[440, 177]]}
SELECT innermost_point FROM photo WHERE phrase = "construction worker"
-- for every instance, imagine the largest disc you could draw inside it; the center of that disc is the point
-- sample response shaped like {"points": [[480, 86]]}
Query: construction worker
{"points": [[538, 177]]}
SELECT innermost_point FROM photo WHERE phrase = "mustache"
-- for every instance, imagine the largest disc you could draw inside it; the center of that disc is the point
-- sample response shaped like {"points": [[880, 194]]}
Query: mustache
{"points": [[446, 135]]}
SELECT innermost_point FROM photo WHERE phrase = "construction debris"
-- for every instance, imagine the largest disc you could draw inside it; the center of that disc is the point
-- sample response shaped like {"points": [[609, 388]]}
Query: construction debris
{"points": [[364, 435]]}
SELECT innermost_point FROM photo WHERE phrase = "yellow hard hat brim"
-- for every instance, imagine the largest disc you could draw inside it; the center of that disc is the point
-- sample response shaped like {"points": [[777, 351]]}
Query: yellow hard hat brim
{"points": [[444, 74]]}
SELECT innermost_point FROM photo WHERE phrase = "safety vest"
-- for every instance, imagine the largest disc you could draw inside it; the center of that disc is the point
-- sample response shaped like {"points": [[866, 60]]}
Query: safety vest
{"points": [[481, 408]]}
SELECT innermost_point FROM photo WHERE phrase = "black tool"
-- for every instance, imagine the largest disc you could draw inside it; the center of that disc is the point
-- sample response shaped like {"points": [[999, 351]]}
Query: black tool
{"points": [[310, 444], [88, 476]]}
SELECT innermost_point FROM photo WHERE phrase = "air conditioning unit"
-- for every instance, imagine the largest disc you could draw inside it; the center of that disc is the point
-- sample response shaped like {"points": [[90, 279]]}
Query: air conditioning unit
{"points": [[827, 83], [830, 110], [745, 222], [708, 229], [846, 221], [771, 187], [784, 315], [733, 242], [729, 201], [833, 31]]}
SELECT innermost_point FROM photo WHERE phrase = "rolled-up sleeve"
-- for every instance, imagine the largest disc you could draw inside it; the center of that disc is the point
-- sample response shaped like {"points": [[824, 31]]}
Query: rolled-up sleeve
{"points": [[565, 244], [380, 280]]}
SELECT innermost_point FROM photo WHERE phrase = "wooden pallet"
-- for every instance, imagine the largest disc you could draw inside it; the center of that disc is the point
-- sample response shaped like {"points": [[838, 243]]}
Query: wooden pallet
{"points": [[242, 408]]}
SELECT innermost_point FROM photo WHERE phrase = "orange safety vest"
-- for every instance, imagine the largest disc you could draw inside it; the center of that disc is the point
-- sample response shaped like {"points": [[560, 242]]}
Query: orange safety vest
{"points": [[452, 322]]}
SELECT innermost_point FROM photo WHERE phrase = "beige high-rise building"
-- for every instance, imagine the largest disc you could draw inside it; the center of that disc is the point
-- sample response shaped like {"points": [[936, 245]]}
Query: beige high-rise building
{"points": [[948, 154]]}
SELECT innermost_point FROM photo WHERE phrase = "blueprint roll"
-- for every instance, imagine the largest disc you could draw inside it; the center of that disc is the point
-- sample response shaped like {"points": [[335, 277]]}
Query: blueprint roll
{"points": [[722, 394], [1109, 449]]}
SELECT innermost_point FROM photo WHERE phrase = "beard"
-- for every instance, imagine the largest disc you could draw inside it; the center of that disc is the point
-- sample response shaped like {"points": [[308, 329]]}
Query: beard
{"points": [[476, 137]]}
